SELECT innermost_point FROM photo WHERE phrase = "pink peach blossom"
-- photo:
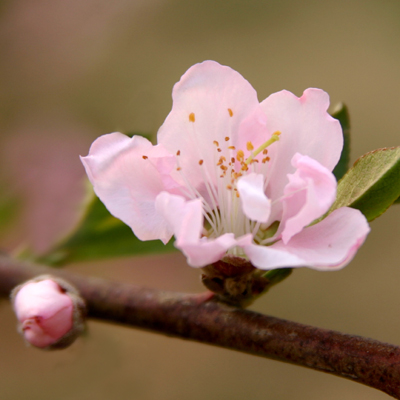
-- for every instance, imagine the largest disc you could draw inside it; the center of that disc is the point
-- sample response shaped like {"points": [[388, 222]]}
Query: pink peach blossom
{"points": [[232, 176], [44, 311]]}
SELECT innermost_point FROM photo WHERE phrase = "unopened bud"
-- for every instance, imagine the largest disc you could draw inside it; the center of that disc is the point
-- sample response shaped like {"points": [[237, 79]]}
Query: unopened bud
{"points": [[50, 312]]}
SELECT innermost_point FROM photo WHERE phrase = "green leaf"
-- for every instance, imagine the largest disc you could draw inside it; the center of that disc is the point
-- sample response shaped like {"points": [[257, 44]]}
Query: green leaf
{"points": [[372, 184], [341, 113], [99, 235]]}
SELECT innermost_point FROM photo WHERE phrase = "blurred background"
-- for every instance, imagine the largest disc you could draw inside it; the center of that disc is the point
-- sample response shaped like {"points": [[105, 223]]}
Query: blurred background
{"points": [[73, 70]]}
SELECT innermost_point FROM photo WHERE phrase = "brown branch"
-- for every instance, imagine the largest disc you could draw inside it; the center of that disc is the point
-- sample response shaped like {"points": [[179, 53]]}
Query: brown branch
{"points": [[201, 318]]}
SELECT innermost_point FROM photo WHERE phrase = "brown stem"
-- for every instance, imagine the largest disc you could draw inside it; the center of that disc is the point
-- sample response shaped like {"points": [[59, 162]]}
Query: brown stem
{"points": [[201, 318]]}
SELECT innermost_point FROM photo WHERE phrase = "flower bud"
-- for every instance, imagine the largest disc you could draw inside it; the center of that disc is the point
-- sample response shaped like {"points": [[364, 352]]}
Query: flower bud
{"points": [[50, 312]]}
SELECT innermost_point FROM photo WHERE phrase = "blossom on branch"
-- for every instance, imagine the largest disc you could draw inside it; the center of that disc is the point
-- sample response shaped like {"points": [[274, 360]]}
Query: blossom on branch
{"points": [[50, 312], [233, 177]]}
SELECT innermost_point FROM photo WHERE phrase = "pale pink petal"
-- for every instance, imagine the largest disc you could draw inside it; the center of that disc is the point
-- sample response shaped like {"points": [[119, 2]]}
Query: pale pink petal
{"points": [[253, 129], [308, 195], [255, 204], [332, 243], [266, 257], [184, 218], [186, 221], [209, 104], [306, 128], [127, 175], [207, 251]]}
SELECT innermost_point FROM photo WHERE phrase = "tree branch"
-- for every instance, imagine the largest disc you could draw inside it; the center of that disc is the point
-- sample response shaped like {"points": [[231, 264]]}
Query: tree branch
{"points": [[200, 318]]}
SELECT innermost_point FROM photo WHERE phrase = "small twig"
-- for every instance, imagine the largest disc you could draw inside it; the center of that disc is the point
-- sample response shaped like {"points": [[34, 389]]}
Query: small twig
{"points": [[199, 317]]}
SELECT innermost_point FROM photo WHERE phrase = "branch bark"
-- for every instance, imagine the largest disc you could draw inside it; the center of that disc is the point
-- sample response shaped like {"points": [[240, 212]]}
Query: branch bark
{"points": [[200, 318]]}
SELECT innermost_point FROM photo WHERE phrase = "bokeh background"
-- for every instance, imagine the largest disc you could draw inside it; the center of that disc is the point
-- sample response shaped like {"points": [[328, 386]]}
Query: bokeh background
{"points": [[73, 70]]}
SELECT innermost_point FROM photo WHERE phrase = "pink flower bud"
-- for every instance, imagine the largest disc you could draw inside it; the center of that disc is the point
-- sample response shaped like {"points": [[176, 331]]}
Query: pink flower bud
{"points": [[49, 312]]}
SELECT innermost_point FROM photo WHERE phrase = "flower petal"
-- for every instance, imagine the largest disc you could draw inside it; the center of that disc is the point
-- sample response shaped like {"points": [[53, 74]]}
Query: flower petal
{"points": [[207, 251], [255, 203], [184, 218], [186, 221], [127, 175], [253, 129], [332, 243], [308, 195], [266, 257], [209, 103], [306, 128]]}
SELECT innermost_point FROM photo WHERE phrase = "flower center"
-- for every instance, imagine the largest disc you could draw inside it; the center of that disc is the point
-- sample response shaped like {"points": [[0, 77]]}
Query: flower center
{"points": [[222, 208], [229, 215]]}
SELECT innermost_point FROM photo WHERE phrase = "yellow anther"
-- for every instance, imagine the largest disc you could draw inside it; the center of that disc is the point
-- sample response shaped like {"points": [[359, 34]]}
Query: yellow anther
{"points": [[223, 167], [237, 194], [236, 175], [231, 147], [226, 138], [219, 150], [232, 160], [216, 143], [192, 117], [229, 187], [179, 168], [265, 151], [240, 155], [201, 162], [230, 112], [250, 146], [178, 153], [145, 157]]}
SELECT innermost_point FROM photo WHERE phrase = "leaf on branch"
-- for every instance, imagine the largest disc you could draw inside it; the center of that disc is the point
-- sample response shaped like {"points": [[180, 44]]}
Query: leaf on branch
{"points": [[341, 113], [372, 185]]}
